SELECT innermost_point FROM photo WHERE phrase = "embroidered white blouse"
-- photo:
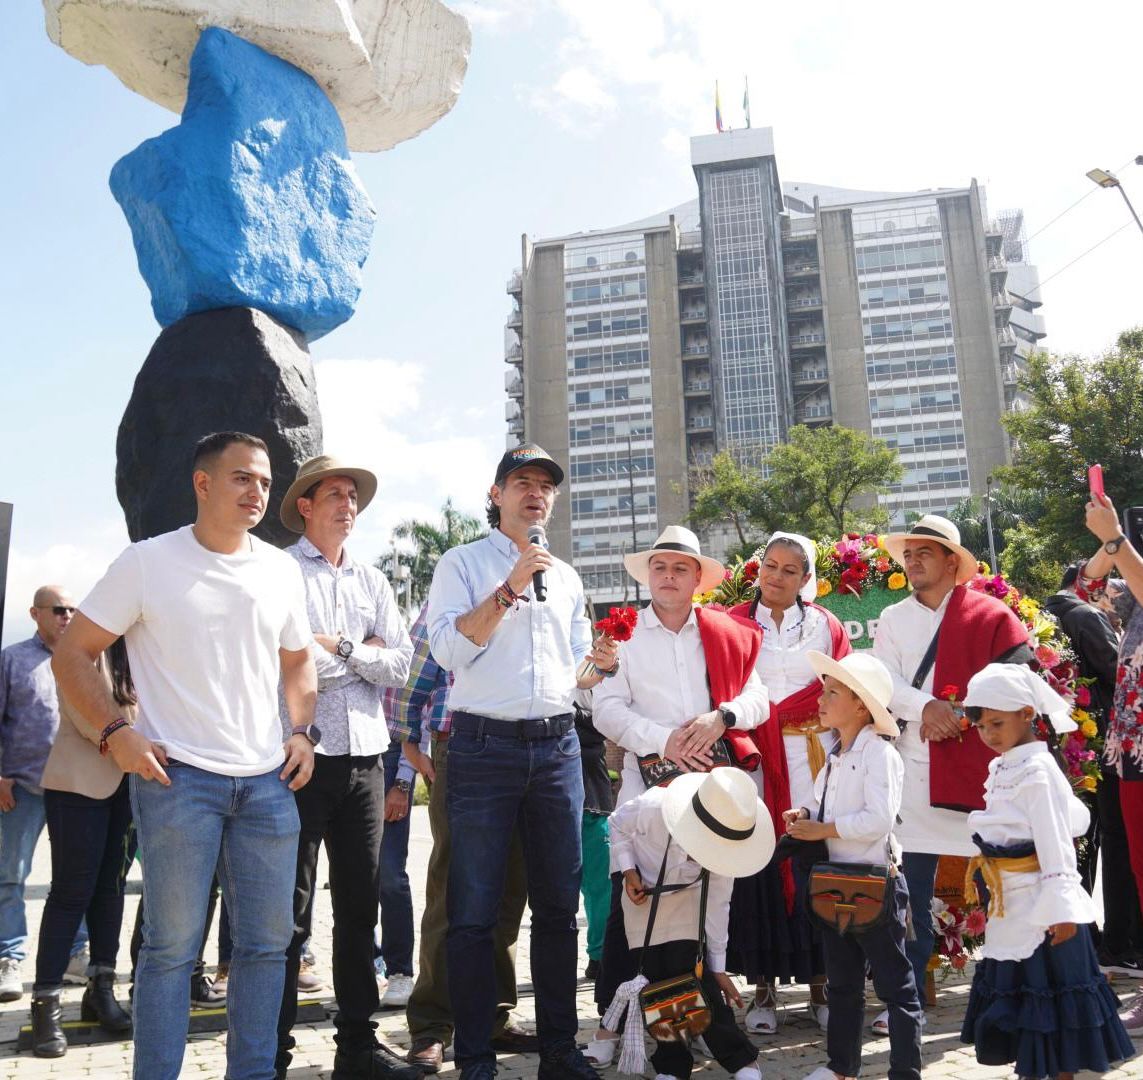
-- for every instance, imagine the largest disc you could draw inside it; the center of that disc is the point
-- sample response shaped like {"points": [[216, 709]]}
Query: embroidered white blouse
{"points": [[783, 668], [1027, 797]]}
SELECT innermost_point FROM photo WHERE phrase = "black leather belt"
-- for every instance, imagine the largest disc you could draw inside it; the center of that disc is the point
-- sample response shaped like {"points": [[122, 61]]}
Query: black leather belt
{"points": [[547, 727]]}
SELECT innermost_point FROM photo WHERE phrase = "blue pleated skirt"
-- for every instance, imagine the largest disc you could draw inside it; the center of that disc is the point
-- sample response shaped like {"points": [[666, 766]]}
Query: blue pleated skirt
{"points": [[1053, 1012]]}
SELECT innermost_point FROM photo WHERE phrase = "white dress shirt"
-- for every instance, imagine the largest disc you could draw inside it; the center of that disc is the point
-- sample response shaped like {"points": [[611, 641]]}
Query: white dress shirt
{"points": [[1027, 797], [661, 684], [527, 669], [784, 670], [902, 639], [639, 838], [862, 799], [353, 600]]}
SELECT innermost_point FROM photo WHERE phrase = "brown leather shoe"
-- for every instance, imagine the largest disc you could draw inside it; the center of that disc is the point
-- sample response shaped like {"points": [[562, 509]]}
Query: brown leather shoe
{"points": [[426, 1053], [513, 1039]]}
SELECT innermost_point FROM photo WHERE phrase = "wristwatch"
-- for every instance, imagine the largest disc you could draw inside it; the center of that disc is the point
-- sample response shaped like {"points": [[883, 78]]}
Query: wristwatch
{"points": [[310, 731], [403, 786], [1112, 546], [613, 672], [344, 648], [728, 718]]}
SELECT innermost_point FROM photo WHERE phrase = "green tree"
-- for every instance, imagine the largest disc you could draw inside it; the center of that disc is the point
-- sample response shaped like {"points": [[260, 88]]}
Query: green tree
{"points": [[1011, 507], [430, 540], [1080, 412], [824, 482], [1030, 561], [726, 493]]}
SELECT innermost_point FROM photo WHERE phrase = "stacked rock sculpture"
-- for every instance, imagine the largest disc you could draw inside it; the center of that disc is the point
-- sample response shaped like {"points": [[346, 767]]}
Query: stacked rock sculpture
{"points": [[250, 223]]}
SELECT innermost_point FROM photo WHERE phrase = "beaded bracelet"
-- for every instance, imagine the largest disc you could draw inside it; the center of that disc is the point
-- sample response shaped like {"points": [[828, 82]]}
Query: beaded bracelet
{"points": [[505, 596], [108, 731]]}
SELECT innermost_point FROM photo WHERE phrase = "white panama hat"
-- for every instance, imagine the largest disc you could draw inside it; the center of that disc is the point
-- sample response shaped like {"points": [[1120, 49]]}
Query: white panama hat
{"points": [[944, 532], [676, 539], [868, 678], [719, 821]]}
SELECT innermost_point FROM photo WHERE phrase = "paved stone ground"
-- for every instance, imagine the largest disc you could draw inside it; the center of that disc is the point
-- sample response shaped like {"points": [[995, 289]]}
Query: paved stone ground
{"points": [[795, 1051]]}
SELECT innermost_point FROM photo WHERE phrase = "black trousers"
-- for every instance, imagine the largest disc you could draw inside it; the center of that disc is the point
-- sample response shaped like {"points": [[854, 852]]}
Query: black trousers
{"points": [[343, 806], [846, 957], [617, 965], [729, 1044], [93, 843], [1122, 926]]}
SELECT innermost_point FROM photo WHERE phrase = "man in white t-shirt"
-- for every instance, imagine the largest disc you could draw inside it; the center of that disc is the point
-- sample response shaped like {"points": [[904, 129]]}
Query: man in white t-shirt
{"points": [[212, 616]]}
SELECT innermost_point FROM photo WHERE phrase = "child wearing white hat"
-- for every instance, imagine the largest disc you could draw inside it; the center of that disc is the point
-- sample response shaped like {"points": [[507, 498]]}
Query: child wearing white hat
{"points": [[856, 800], [1038, 998], [679, 848]]}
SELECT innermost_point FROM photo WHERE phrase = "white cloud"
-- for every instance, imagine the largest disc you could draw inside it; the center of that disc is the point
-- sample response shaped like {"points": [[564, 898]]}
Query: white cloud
{"points": [[373, 414], [75, 566], [580, 87]]}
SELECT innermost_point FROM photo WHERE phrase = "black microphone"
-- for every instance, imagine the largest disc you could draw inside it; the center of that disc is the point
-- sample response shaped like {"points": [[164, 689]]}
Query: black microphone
{"points": [[536, 535]]}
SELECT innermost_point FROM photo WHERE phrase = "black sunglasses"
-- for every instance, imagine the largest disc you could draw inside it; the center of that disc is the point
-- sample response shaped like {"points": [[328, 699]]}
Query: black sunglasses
{"points": [[61, 609]]}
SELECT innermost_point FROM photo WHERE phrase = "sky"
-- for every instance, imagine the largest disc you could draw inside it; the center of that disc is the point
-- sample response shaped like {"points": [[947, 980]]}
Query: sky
{"points": [[574, 114]]}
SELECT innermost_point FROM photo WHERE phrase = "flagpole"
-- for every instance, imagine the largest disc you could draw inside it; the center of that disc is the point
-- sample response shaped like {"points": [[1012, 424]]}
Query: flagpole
{"points": [[746, 99]]}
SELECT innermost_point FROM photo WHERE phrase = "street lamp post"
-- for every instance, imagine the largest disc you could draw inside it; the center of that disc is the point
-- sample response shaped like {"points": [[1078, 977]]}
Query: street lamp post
{"points": [[1109, 180], [631, 495], [988, 523]]}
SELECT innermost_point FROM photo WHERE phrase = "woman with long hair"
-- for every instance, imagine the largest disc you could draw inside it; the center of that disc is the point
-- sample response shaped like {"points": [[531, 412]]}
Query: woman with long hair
{"points": [[88, 813], [771, 937]]}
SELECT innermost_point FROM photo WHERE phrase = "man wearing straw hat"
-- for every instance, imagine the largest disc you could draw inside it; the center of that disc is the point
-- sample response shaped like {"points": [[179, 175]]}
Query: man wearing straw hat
{"points": [[361, 646], [933, 642], [687, 676]]}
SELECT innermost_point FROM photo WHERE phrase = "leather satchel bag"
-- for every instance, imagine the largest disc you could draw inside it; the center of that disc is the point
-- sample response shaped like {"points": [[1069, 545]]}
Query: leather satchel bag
{"points": [[676, 1009], [850, 898], [658, 771]]}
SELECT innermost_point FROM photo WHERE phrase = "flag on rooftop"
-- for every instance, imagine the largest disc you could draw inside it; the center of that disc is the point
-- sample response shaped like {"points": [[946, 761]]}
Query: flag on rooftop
{"points": [[717, 107], [746, 102]]}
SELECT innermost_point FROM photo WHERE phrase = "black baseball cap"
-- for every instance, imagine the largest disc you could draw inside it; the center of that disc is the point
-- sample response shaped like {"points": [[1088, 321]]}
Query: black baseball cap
{"points": [[527, 454]]}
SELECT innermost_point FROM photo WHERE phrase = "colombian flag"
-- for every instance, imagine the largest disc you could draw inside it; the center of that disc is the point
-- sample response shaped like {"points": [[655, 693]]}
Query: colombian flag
{"points": [[717, 107]]}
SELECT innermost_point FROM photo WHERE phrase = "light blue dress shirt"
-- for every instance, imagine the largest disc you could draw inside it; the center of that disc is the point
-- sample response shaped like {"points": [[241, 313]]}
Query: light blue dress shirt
{"points": [[527, 670]]}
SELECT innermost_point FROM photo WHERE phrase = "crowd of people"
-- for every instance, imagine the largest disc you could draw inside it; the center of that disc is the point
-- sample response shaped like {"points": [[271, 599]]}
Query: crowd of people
{"points": [[220, 710]]}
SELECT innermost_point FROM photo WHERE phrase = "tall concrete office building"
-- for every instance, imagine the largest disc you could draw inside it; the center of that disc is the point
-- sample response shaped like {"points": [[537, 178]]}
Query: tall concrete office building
{"points": [[637, 353]]}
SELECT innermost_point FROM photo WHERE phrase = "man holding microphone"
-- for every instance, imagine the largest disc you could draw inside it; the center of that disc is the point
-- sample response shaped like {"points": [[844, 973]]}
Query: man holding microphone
{"points": [[514, 756]]}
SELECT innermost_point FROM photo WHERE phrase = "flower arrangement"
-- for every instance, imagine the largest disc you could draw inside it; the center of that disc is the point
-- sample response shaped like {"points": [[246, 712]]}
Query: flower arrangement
{"points": [[959, 932], [856, 562]]}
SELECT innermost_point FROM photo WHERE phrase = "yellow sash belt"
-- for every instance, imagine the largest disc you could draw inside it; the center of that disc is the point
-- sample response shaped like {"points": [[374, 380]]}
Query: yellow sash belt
{"points": [[815, 752], [991, 870]]}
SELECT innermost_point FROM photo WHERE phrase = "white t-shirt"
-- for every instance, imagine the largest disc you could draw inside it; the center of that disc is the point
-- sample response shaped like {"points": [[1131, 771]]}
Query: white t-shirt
{"points": [[203, 632]]}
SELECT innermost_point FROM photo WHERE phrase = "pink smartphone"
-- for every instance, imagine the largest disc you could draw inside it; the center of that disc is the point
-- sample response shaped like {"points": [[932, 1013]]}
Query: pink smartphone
{"points": [[1095, 480]]}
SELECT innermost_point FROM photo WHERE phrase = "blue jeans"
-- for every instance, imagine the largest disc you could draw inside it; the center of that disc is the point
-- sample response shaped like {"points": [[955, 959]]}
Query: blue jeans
{"points": [[247, 828], [20, 830], [396, 897], [881, 950], [496, 782], [920, 871]]}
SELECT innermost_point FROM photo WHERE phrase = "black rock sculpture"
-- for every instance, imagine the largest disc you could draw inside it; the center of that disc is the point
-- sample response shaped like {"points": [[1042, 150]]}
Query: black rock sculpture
{"points": [[234, 369]]}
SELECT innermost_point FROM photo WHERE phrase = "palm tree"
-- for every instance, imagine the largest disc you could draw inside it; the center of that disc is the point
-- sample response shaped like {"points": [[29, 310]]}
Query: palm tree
{"points": [[429, 542], [1011, 507]]}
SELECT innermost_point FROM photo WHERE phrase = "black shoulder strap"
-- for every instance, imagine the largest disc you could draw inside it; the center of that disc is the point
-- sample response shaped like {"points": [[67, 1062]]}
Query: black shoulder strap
{"points": [[927, 660], [658, 891]]}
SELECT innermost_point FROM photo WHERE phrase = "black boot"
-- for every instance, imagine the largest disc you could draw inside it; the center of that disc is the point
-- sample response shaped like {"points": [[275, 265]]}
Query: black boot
{"points": [[48, 1039], [99, 1004]]}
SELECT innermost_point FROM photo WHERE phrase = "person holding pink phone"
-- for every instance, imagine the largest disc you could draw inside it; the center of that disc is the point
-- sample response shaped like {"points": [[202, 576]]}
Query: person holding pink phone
{"points": [[1123, 747]]}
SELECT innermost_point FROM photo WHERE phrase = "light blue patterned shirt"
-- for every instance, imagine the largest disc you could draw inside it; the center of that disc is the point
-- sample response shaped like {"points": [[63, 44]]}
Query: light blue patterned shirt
{"points": [[29, 712], [527, 670], [353, 600]]}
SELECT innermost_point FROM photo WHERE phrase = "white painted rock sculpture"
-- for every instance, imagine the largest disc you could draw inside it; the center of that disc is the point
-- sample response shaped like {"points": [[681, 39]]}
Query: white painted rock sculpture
{"points": [[392, 68]]}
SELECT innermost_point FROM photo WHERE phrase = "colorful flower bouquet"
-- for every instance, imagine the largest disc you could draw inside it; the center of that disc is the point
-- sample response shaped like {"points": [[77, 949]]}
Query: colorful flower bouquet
{"points": [[959, 932]]}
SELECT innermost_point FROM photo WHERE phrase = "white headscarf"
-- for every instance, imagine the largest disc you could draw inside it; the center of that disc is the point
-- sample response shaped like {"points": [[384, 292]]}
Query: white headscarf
{"points": [[1009, 687], [809, 591]]}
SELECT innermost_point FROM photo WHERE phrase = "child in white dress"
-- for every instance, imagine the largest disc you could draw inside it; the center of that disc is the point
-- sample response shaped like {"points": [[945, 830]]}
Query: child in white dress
{"points": [[1038, 997]]}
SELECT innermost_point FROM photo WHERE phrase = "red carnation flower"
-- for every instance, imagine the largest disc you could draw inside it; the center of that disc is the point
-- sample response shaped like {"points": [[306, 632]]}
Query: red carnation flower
{"points": [[750, 570], [619, 624]]}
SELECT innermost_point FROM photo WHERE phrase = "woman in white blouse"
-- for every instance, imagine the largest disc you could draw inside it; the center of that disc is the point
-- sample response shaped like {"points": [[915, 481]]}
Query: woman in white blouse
{"points": [[771, 937], [1038, 997]]}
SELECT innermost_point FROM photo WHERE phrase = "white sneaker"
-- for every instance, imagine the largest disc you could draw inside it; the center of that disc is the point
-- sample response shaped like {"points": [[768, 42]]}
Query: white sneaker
{"points": [[761, 1019], [398, 992], [880, 1025], [11, 982], [1131, 1018], [821, 1073], [76, 972], [820, 1013]]}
